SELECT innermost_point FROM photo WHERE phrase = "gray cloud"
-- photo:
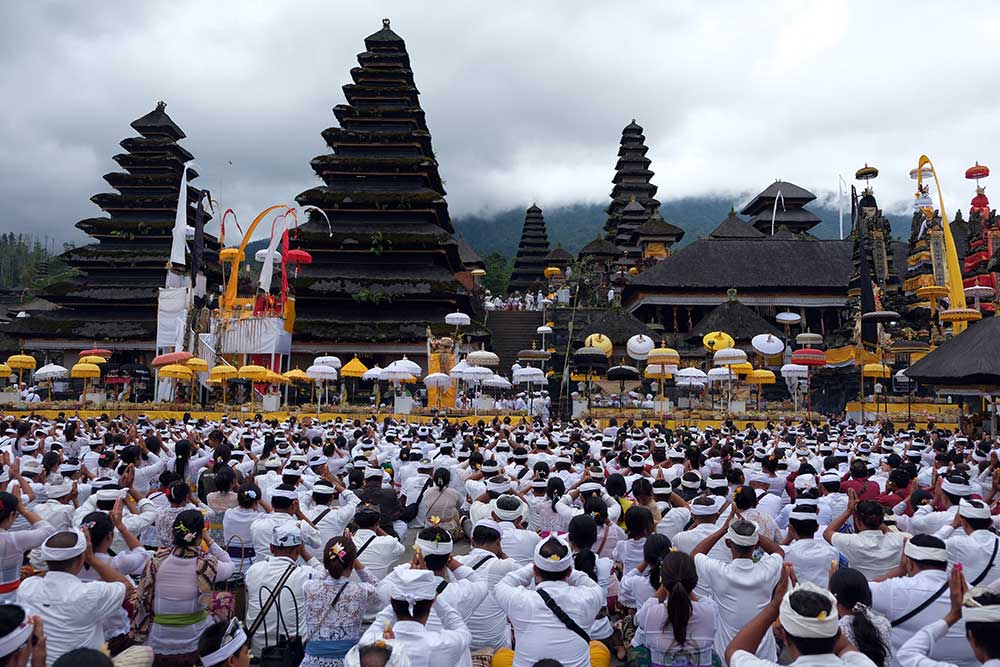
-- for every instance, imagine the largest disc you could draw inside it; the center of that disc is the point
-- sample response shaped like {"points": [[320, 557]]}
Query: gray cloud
{"points": [[525, 100]]}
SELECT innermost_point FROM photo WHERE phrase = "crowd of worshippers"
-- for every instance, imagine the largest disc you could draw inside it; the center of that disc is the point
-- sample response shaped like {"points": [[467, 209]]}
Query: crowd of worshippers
{"points": [[469, 543]]}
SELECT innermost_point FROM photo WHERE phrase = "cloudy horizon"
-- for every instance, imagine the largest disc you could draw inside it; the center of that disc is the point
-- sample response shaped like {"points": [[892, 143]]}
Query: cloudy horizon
{"points": [[525, 101]]}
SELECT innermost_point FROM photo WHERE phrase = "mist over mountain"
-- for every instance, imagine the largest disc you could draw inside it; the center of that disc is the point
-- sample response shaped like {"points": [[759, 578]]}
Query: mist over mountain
{"points": [[574, 226]]}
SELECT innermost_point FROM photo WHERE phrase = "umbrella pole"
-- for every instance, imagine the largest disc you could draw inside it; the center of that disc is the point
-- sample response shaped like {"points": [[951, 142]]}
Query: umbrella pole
{"points": [[809, 396]]}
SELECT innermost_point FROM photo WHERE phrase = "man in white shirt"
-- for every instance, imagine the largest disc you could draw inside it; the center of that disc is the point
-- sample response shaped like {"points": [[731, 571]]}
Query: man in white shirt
{"points": [[285, 503], [810, 624], [916, 594], [518, 543], [329, 518], [377, 550], [740, 588], [550, 605], [73, 611], [971, 542], [413, 596], [704, 513], [263, 577], [871, 549], [811, 557], [488, 623]]}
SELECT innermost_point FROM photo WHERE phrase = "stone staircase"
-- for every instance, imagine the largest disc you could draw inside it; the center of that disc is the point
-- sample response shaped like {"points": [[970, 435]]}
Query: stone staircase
{"points": [[510, 332]]}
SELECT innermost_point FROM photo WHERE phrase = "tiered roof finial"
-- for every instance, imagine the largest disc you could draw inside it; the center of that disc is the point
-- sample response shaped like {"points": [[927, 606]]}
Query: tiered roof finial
{"points": [[385, 24]]}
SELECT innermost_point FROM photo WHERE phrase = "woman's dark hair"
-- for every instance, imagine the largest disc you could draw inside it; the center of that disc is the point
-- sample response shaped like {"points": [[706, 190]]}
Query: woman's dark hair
{"points": [[249, 494], [211, 639], [638, 520], [653, 551], [805, 527], [50, 462], [178, 493], [442, 478], [368, 654], [985, 634], [83, 657], [182, 454], [850, 587], [8, 504], [554, 490], [583, 535], [679, 577], [187, 528], [642, 487], [11, 616], [615, 485], [811, 604], [339, 561], [870, 514], [406, 612], [745, 498], [224, 479], [595, 507], [100, 527]]}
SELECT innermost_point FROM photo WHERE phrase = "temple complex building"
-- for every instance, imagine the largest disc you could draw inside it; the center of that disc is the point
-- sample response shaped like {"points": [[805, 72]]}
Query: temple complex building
{"points": [[632, 183], [983, 244], [530, 261], [781, 204], [390, 267], [111, 298]]}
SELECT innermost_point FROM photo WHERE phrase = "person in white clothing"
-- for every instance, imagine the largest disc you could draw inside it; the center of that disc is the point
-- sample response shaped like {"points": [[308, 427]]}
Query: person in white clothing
{"points": [[329, 518], [979, 608], [488, 624], [741, 588], [518, 543], [970, 541], [811, 557], [283, 618], [809, 625], [871, 548], [73, 611], [412, 598], [531, 596], [285, 503], [377, 550]]}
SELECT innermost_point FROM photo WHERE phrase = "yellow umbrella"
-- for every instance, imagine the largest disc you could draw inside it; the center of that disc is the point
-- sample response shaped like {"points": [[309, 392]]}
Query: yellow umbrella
{"points": [[176, 372], [552, 271], [717, 340], [197, 365], [657, 371], [746, 368], [663, 355], [876, 371], [600, 341], [277, 378], [229, 254], [252, 372], [759, 377], [297, 375], [22, 362], [5, 370], [353, 369], [86, 371], [93, 359], [221, 374]]}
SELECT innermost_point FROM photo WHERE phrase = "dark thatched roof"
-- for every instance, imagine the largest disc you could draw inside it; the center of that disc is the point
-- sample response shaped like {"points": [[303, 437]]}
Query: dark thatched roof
{"points": [[790, 193], [753, 264], [970, 358], [600, 247], [735, 227], [739, 321], [657, 227], [470, 258], [559, 254], [617, 324], [158, 122]]}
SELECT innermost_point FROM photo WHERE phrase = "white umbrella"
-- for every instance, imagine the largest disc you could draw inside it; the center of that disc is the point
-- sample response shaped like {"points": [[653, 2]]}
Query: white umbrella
{"points": [[721, 374], [638, 346], [794, 371], [497, 382], [476, 374], [482, 358], [406, 364], [687, 375], [767, 344], [373, 373], [458, 319], [332, 362], [544, 329], [529, 375], [788, 318], [261, 256], [437, 380], [659, 370], [458, 369], [51, 372], [321, 372], [729, 357], [395, 375]]}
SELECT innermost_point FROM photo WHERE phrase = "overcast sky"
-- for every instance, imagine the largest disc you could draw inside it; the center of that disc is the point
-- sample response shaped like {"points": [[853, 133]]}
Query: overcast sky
{"points": [[525, 100]]}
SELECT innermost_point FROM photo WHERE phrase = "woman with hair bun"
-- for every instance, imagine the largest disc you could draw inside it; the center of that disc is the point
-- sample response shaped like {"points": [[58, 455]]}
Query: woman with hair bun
{"points": [[14, 544], [335, 605], [170, 611]]}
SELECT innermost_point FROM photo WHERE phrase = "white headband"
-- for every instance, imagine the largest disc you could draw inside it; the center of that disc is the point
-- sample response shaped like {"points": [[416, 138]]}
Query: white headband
{"points": [[691, 484], [16, 638], [703, 510], [955, 488], [228, 648], [970, 511], [803, 516], [283, 493], [64, 553], [978, 613], [821, 627], [743, 540], [813, 502], [434, 548], [917, 552], [553, 563]]}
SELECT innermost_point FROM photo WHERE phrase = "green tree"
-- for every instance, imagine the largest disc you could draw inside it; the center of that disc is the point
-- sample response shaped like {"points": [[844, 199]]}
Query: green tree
{"points": [[498, 270]]}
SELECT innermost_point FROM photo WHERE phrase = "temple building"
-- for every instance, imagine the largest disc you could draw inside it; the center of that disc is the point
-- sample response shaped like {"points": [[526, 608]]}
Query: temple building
{"points": [[873, 235], [654, 238], [530, 262], [983, 243], [790, 270], [790, 212], [390, 267], [632, 195], [111, 299]]}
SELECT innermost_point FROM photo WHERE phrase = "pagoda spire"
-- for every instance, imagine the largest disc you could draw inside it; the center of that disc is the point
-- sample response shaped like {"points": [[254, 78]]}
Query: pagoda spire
{"points": [[630, 182], [112, 294], [529, 265], [392, 265]]}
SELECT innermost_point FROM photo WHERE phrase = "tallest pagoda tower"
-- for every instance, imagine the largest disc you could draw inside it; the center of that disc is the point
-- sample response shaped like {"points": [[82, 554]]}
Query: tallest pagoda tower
{"points": [[632, 183], [388, 266]]}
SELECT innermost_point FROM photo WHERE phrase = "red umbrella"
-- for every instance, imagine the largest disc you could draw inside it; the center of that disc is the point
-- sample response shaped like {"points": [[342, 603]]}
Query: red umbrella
{"points": [[298, 256], [809, 357], [977, 171], [97, 352], [170, 358]]}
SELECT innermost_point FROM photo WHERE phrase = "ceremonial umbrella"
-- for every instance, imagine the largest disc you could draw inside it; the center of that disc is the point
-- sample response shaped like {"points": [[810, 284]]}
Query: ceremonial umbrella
{"points": [[767, 344], [5, 372], [221, 375], [482, 358], [21, 362], [321, 373], [639, 347], [808, 339], [759, 378], [977, 292], [529, 376], [97, 351], [497, 382], [438, 381], [690, 377], [601, 342], [590, 360], [457, 319], [175, 372], [809, 357], [85, 371], [622, 374], [170, 358], [374, 374], [327, 360], [353, 369], [728, 356], [50, 372], [475, 375], [717, 340]]}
